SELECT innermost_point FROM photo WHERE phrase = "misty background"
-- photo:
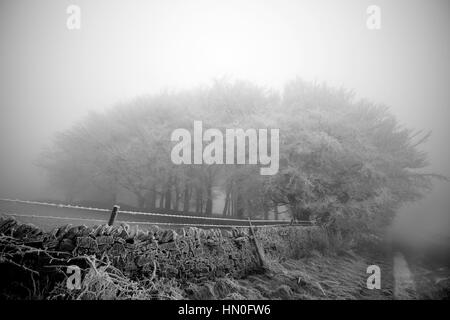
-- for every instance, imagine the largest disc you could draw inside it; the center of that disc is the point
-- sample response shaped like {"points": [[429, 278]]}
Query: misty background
{"points": [[51, 76]]}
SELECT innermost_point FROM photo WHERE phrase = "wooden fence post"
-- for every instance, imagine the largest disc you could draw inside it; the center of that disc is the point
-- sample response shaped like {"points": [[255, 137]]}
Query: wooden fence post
{"points": [[113, 215], [259, 249]]}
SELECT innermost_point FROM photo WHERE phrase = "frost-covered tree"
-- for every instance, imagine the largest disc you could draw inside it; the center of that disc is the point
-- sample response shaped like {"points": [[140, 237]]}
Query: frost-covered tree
{"points": [[340, 158]]}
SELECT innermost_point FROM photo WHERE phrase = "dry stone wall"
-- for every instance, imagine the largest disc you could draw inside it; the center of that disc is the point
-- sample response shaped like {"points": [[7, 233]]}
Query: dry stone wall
{"points": [[189, 254]]}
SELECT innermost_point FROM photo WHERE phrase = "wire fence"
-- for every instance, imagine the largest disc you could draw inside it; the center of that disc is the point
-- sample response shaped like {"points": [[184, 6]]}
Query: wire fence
{"points": [[144, 222], [19, 208]]}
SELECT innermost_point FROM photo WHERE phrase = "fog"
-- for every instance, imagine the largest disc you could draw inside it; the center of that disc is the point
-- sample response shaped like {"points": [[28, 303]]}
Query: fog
{"points": [[51, 76]]}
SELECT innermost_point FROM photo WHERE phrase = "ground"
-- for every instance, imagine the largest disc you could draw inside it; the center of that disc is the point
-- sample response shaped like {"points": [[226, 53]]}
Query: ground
{"points": [[315, 277], [317, 272], [432, 283]]}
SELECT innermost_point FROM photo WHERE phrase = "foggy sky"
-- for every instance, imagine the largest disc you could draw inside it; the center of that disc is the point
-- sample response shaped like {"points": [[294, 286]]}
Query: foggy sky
{"points": [[51, 76]]}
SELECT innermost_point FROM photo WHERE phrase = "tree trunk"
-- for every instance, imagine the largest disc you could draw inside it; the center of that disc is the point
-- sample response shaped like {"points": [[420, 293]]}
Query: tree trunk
{"points": [[233, 203], [266, 212], [227, 202], [177, 197], [209, 201], [275, 211], [228, 199], [239, 206], [161, 201], [152, 204], [198, 200], [168, 201], [187, 197]]}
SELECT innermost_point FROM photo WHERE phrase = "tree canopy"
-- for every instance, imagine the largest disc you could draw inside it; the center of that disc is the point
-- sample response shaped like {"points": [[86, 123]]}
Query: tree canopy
{"points": [[339, 157]]}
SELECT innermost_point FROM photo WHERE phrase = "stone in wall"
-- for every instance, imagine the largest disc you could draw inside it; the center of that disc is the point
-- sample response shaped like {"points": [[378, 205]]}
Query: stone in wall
{"points": [[191, 254]]}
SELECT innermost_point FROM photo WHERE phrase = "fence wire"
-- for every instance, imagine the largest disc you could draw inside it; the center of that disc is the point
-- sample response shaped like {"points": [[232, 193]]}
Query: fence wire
{"points": [[148, 222], [256, 223]]}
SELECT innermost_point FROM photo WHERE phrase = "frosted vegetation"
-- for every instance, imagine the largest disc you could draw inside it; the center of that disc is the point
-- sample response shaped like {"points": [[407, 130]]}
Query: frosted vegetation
{"points": [[343, 161]]}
